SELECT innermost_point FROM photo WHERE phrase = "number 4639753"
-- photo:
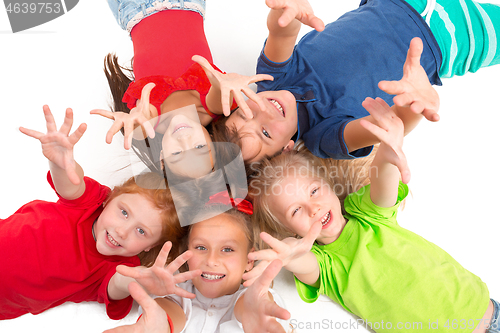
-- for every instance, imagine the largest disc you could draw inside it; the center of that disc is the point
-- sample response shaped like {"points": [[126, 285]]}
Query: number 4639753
{"points": [[38, 7]]}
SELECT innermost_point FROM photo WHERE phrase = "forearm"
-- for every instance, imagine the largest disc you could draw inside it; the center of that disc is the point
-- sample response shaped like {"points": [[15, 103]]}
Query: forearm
{"points": [[64, 187], [213, 100], [281, 40], [305, 268], [175, 312], [289, 31], [118, 286], [410, 119], [357, 137], [384, 179]]}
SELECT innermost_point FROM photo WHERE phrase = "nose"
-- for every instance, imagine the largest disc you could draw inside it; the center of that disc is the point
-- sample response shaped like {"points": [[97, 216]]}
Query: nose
{"points": [[122, 231], [184, 140], [314, 208], [213, 259]]}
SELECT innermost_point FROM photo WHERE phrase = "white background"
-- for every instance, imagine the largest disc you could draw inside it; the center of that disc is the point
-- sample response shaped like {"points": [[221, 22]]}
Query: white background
{"points": [[454, 162]]}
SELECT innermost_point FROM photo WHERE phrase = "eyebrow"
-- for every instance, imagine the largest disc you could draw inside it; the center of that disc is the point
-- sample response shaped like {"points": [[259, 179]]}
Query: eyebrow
{"points": [[308, 189], [131, 212], [231, 242]]}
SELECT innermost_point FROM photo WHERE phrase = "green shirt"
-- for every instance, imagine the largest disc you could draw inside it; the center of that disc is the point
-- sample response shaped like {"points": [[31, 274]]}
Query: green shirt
{"points": [[392, 278]]}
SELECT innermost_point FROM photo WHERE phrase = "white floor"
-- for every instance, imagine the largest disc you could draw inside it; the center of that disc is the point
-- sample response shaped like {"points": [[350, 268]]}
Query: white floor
{"points": [[453, 163]]}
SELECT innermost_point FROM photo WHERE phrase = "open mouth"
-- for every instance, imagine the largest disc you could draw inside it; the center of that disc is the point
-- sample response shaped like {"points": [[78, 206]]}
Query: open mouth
{"points": [[212, 276], [326, 219], [278, 106], [180, 127], [112, 240]]}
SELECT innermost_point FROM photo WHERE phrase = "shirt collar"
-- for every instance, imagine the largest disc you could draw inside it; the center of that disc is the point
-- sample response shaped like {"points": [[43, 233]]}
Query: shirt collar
{"points": [[302, 113], [219, 302]]}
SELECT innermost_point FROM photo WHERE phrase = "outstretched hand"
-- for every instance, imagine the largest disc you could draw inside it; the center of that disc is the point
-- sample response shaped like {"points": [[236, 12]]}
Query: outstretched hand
{"points": [[296, 9], [260, 311], [160, 279], [154, 318], [232, 85], [140, 115], [286, 251], [414, 89], [390, 132], [57, 146]]}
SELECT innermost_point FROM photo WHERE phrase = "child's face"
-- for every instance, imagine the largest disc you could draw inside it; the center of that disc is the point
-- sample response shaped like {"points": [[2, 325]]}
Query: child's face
{"points": [[269, 131], [220, 249], [299, 201], [186, 147], [128, 225]]}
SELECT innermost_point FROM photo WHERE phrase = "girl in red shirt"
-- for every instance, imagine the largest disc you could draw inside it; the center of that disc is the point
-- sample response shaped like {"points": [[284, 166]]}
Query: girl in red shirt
{"points": [[69, 250], [172, 69]]}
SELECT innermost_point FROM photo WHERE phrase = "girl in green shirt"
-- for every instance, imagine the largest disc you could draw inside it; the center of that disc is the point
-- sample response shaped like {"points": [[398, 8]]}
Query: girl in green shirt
{"points": [[361, 258]]}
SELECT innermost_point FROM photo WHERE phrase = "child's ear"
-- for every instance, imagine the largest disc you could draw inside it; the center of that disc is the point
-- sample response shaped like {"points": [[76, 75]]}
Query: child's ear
{"points": [[250, 263], [289, 146], [149, 248]]}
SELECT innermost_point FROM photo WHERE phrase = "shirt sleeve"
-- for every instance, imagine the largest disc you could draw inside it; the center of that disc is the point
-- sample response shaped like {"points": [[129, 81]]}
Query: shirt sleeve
{"points": [[307, 293], [94, 194], [360, 206], [278, 70], [326, 139], [115, 309]]}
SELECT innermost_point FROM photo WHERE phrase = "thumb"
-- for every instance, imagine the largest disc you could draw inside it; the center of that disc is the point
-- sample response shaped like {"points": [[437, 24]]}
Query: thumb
{"points": [[313, 233], [141, 297], [269, 274]]}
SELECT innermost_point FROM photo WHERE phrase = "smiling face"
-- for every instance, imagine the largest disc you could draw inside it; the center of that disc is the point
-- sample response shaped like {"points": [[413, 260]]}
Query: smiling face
{"points": [[298, 202], [220, 248], [186, 147], [128, 225], [269, 131]]}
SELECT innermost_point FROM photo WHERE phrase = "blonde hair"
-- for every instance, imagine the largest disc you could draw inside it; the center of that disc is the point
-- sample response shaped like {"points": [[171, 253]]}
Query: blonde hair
{"points": [[342, 176], [213, 211], [153, 187]]}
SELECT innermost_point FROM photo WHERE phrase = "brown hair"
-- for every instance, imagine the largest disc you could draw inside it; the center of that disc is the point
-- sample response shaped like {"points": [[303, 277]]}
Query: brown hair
{"points": [[152, 186], [119, 78], [343, 177]]}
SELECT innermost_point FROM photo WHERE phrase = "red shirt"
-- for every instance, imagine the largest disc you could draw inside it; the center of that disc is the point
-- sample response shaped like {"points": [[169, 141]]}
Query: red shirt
{"points": [[164, 44], [49, 256]]}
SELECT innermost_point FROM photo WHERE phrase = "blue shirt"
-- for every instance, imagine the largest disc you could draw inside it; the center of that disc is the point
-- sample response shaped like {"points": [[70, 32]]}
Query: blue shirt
{"points": [[332, 72]]}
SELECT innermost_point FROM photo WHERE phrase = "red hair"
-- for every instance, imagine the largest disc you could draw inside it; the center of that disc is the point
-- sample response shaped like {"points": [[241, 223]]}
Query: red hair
{"points": [[153, 187]]}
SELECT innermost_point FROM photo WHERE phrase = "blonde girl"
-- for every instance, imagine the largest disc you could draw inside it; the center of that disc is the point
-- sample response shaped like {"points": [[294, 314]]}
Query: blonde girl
{"points": [[217, 248], [363, 259]]}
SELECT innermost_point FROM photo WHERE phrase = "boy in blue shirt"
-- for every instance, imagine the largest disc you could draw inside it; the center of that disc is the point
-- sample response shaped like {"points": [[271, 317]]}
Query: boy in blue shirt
{"points": [[320, 84]]}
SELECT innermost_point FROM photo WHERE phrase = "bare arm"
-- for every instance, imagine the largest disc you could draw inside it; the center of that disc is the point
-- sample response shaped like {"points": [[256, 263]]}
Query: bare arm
{"points": [[154, 318], [281, 41], [57, 147], [389, 162], [284, 22]]}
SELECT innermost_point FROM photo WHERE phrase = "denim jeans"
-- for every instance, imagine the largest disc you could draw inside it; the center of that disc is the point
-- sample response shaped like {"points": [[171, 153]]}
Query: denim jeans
{"points": [[495, 318], [130, 12]]}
